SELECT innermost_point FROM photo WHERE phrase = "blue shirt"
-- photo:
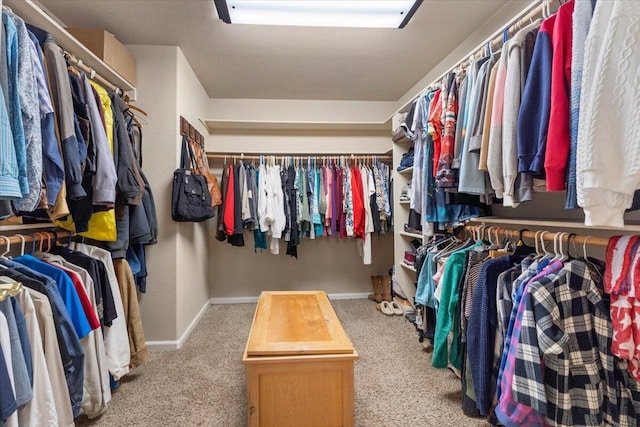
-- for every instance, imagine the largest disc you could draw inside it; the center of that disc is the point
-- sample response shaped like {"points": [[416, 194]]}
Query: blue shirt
{"points": [[7, 399], [481, 331], [9, 185], [67, 291], [21, 381], [74, 371], [52, 165], [425, 294], [15, 111], [21, 324]]}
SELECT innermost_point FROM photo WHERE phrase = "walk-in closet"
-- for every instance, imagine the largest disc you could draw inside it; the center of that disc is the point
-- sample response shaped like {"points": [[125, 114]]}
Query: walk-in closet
{"points": [[320, 213]]}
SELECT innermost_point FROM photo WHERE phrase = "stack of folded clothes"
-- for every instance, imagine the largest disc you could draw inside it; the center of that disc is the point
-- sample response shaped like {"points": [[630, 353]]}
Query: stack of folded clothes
{"points": [[409, 257], [406, 161], [404, 193], [399, 134]]}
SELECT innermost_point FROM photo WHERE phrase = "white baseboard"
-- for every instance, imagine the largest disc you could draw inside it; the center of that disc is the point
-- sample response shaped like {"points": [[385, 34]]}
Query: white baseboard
{"points": [[175, 345], [352, 295], [162, 345], [234, 300], [248, 300]]}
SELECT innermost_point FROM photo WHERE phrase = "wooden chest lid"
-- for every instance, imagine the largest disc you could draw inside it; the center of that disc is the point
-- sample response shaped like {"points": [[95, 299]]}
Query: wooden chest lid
{"points": [[296, 323]]}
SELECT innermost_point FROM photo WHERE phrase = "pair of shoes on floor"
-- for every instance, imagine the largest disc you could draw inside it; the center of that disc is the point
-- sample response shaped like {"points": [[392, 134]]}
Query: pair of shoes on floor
{"points": [[381, 289], [393, 308]]}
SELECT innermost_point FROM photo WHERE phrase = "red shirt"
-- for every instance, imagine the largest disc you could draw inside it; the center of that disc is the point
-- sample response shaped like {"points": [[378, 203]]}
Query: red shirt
{"points": [[229, 205], [558, 136], [435, 128], [89, 309], [358, 203]]}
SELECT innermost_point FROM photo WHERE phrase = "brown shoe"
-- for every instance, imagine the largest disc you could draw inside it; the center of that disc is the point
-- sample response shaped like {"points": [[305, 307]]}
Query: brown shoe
{"points": [[386, 288], [377, 289]]}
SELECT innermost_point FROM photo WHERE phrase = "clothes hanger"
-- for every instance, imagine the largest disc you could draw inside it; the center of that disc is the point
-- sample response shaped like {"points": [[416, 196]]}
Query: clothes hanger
{"points": [[557, 250], [73, 70], [547, 255], [9, 288], [595, 269], [473, 232], [564, 255], [500, 251], [40, 241], [8, 243], [23, 241], [537, 243], [522, 249], [136, 108]]}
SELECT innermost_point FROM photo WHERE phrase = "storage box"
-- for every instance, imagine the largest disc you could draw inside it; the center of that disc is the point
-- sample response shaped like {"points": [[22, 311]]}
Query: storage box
{"points": [[109, 49], [299, 363]]}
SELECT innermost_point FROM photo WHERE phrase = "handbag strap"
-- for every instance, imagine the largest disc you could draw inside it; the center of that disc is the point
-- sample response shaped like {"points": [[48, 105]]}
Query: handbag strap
{"points": [[200, 159], [186, 157], [196, 168]]}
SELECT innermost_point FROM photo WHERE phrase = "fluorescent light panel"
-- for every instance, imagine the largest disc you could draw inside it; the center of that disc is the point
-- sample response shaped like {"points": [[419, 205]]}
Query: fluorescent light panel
{"points": [[318, 13]]}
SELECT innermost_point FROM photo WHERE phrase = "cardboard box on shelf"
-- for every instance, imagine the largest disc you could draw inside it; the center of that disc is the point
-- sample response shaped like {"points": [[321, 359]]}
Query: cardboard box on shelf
{"points": [[109, 49]]}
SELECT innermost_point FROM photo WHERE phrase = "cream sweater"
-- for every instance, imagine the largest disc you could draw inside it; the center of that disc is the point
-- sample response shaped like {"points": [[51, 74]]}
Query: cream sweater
{"points": [[608, 151]]}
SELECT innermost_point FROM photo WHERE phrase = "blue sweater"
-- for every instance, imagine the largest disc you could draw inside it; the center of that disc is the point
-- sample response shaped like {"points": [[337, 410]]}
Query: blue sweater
{"points": [[533, 117], [481, 332]]}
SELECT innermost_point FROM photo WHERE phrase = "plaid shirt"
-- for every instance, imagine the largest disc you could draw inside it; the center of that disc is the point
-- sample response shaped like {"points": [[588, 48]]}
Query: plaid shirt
{"points": [[510, 412], [566, 321], [504, 301], [518, 287]]}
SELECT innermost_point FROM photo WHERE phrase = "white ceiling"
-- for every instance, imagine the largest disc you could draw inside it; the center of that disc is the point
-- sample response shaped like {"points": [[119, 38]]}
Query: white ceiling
{"points": [[270, 62]]}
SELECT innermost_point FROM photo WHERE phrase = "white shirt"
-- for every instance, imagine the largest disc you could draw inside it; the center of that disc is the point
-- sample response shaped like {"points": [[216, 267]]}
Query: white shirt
{"points": [[41, 409], [116, 338]]}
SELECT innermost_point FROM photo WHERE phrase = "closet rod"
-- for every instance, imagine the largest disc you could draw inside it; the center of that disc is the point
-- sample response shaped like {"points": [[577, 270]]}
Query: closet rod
{"points": [[497, 39], [91, 72], [547, 235], [35, 236], [382, 157]]}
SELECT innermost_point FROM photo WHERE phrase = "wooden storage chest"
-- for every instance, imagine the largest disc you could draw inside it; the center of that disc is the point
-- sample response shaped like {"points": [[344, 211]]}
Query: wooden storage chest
{"points": [[299, 363]]}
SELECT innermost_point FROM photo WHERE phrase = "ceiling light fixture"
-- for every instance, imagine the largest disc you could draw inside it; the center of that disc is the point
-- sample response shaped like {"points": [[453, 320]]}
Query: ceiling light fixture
{"points": [[319, 13]]}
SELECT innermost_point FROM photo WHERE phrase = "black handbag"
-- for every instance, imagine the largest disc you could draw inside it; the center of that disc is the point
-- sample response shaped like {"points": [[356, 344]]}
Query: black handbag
{"points": [[190, 199]]}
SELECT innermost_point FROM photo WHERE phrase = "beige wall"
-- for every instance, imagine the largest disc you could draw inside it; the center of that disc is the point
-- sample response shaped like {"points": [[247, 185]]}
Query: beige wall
{"points": [[157, 95], [192, 288], [297, 143], [177, 284], [292, 110], [323, 264]]}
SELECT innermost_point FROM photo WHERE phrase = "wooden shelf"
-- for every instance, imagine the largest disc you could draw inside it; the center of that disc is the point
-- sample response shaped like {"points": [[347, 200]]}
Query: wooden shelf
{"points": [[216, 125], [34, 15], [412, 235], [407, 171], [18, 227], [408, 267], [404, 141], [550, 223]]}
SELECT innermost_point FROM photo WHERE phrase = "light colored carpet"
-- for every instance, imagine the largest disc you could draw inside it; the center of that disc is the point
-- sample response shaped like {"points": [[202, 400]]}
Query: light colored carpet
{"points": [[203, 383]]}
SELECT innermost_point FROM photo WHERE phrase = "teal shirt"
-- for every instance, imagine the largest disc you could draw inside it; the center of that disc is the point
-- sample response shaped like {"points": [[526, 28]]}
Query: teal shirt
{"points": [[448, 313]]}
